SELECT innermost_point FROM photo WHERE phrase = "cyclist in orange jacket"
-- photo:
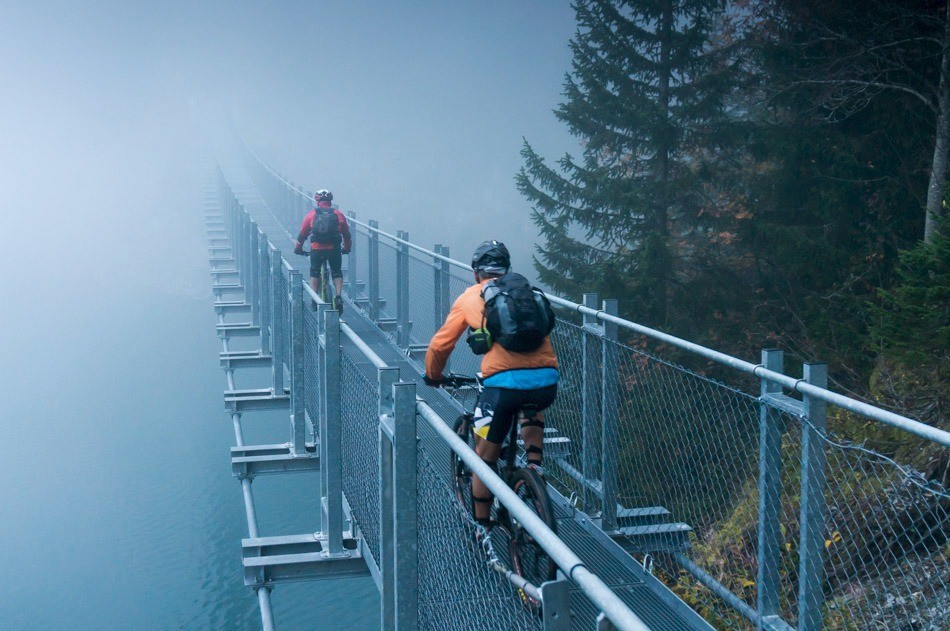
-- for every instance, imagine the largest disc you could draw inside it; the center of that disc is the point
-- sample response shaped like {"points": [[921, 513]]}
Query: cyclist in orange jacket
{"points": [[511, 379], [327, 227]]}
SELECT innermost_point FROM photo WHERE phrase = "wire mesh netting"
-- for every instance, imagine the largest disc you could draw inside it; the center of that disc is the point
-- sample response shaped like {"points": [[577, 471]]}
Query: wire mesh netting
{"points": [[422, 299], [360, 417], [457, 591]]}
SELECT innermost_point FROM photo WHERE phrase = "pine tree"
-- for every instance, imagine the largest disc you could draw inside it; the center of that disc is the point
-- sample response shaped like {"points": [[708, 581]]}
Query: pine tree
{"points": [[645, 91]]}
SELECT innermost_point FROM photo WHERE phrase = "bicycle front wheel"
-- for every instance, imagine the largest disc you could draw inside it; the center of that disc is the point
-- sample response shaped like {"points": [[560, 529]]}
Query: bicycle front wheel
{"points": [[528, 559]]}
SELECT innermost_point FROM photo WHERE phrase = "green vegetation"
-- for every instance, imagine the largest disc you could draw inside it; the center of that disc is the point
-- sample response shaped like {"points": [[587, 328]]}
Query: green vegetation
{"points": [[769, 173]]}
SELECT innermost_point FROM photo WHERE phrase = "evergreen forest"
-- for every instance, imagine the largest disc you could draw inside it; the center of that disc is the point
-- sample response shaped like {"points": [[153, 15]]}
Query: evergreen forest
{"points": [[770, 174]]}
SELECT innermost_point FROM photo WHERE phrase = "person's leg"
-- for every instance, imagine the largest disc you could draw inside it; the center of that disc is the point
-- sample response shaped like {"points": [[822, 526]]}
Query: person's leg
{"points": [[336, 272], [532, 428], [498, 406]]}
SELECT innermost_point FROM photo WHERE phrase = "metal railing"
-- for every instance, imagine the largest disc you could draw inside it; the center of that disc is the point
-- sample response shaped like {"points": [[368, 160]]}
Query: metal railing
{"points": [[383, 500], [789, 505]]}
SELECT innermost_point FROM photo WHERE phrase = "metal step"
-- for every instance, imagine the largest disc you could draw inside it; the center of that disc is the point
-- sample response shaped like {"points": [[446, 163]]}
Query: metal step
{"points": [[269, 560], [256, 399], [648, 516], [231, 306], [264, 459], [244, 359], [655, 538], [224, 288], [241, 329]]}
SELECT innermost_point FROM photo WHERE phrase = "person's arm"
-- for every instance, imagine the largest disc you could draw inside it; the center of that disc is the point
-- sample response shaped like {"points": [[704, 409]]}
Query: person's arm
{"points": [[345, 231], [305, 229], [443, 342]]}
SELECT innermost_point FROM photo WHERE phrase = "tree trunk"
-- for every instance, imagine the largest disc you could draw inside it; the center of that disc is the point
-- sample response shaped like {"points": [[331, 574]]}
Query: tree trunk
{"points": [[938, 170], [662, 175]]}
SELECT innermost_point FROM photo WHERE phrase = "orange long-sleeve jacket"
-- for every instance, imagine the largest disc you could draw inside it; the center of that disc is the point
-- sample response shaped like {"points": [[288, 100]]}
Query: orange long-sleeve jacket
{"points": [[467, 312]]}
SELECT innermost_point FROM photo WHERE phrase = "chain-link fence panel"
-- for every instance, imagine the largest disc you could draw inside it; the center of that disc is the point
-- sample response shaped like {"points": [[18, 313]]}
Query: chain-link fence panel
{"points": [[457, 590], [360, 418], [422, 297]]}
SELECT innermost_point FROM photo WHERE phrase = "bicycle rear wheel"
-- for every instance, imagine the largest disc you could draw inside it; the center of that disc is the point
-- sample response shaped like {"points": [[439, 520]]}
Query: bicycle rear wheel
{"points": [[461, 474], [528, 559]]}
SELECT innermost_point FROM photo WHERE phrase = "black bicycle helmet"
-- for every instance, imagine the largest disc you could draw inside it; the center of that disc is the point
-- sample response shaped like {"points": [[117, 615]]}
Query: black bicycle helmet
{"points": [[491, 257], [323, 195]]}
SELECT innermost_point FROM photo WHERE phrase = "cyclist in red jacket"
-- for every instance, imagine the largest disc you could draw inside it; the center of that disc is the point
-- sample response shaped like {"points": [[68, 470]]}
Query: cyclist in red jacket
{"points": [[327, 228]]}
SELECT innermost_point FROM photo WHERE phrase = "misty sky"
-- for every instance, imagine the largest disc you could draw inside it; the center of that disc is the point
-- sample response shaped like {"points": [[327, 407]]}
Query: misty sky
{"points": [[413, 113]]}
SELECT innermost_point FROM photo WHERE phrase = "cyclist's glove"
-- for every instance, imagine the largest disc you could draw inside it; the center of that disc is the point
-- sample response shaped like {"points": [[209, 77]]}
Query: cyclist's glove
{"points": [[479, 341], [435, 383], [298, 249], [346, 250]]}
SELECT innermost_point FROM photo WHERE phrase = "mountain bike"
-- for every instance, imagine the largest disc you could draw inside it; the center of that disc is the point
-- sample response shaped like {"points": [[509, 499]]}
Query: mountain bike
{"points": [[528, 559]]}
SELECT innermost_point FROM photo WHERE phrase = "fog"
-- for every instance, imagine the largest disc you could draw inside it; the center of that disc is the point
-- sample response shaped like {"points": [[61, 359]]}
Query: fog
{"points": [[118, 509]]}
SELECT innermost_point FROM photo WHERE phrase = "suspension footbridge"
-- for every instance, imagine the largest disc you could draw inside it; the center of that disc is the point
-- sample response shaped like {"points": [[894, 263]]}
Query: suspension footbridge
{"points": [[686, 497]]}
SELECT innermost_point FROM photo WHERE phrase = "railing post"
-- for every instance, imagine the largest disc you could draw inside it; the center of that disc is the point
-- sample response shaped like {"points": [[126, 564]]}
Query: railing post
{"points": [[298, 421], [589, 403], [436, 288], [277, 322], [264, 291], [609, 415], [405, 508], [770, 490], [351, 260], [373, 270], [445, 299], [250, 291], [388, 377], [331, 434], [556, 601], [812, 539], [402, 290]]}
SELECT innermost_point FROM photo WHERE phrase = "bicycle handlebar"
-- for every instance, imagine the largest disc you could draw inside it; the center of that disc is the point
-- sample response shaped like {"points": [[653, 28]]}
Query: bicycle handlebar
{"points": [[453, 380]]}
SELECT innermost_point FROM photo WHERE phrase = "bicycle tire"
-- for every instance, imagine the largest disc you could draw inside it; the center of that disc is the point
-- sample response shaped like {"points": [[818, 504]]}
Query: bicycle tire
{"points": [[461, 474], [528, 559]]}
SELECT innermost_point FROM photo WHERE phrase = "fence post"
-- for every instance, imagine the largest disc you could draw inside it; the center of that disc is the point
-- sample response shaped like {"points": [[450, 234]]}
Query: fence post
{"points": [[770, 490], [405, 509], [298, 421], [812, 540], [373, 270], [265, 287], [589, 404], [445, 300], [402, 290], [387, 377], [277, 322], [251, 291], [331, 434], [436, 288], [351, 259], [556, 610], [609, 414]]}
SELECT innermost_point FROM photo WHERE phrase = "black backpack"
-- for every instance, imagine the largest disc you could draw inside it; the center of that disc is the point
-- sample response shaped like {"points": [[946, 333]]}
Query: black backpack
{"points": [[326, 227], [517, 315]]}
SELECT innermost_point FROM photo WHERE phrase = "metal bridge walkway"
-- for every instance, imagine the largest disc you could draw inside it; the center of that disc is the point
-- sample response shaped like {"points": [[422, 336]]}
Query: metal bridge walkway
{"points": [[488, 605], [754, 491]]}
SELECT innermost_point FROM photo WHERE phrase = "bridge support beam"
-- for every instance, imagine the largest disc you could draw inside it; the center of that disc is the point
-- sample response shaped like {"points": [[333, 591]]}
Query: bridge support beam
{"points": [[298, 422], [398, 504], [331, 433]]}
